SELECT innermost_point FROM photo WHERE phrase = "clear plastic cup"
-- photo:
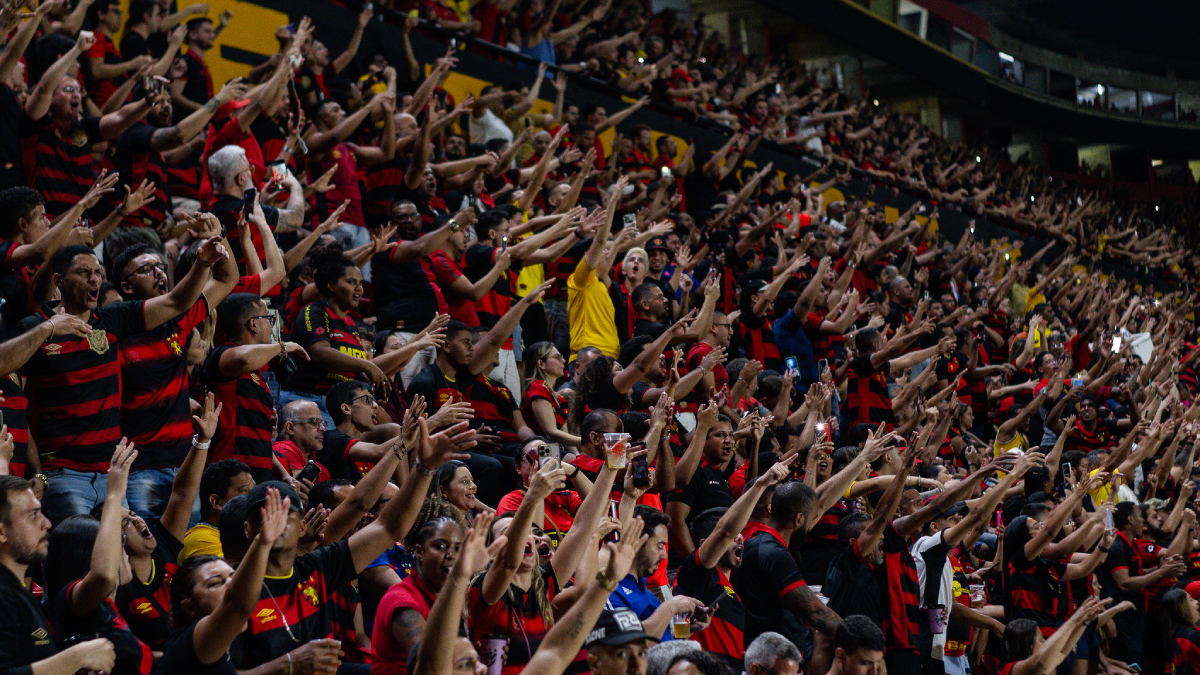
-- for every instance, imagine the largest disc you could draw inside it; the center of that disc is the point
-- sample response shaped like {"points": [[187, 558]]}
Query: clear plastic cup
{"points": [[681, 626], [978, 596], [614, 450]]}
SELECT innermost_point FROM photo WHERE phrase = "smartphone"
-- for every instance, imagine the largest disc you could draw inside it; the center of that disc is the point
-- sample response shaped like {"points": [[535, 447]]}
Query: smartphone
{"points": [[548, 454], [999, 520], [614, 512], [1116, 343], [279, 170], [1110, 522], [1, 418], [1007, 257], [793, 365], [629, 219], [666, 172], [1068, 473], [309, 472], [925, 295], [822, 365], [453, 43], [640, 468], [148, 83], [248, 205], [1135, 667], [504, 243], [1077, 382], [413, 13]]}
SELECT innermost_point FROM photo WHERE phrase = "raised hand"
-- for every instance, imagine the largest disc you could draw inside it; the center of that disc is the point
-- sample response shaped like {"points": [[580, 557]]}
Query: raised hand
{"points": [[274, 515], [118, 469], [546, 480], [435, 450], [206, 422]]}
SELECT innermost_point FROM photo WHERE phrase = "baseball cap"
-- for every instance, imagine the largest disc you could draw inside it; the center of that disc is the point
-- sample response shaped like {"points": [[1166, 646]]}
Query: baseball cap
{"points": [[1193, 589], [616, 626], [682, 74], [258, 495], [657, 243]]}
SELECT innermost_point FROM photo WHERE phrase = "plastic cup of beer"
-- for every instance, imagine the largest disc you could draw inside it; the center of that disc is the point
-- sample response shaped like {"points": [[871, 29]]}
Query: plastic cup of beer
{"points": [[614, 450], [681, 626], [977, 596]]}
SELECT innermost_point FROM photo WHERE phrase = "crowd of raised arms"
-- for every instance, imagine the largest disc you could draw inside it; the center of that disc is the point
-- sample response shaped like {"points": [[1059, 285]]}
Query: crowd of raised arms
{"points": [[321, 370]]}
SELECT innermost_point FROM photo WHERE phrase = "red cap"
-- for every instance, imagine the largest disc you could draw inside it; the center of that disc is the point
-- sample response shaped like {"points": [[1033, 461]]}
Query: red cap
{"points": [[682, 74], [1193, 589]]}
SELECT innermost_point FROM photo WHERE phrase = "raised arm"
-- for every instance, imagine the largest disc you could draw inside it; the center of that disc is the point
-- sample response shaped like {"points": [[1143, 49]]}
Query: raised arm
{"points": [[102, 578]]}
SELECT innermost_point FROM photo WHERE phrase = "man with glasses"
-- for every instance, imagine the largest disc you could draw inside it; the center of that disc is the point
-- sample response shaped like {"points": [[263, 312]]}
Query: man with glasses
{"points": [[357, 441], [561, 505], [717, 379], [235, 371], [156, 414], [301, 435]]}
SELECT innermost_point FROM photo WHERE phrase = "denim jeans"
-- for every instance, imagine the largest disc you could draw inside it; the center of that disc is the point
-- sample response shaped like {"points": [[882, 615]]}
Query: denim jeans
{"points": [[150, 489], [286, 397], [70, 493]]}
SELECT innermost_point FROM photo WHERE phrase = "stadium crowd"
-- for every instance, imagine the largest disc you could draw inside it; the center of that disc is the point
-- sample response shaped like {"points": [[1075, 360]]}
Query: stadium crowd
{"points": [[320, 370]]}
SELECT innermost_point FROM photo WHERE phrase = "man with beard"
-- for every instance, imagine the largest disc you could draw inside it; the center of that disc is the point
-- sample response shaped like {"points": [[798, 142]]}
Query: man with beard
{"points": [[900, 297], [28, 640], [1090, 432], [769, 581], [70, 371], [708, 487], [139, 150], [704, 575], [155, 410], [631, 592]]}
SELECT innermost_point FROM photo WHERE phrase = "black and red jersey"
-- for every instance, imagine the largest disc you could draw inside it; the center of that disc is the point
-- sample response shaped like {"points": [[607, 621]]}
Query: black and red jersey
{"points": [[16, 287], [136, 160], [1036, 592], [494, 406], [950, 366], [724, 635], [155, 412], [637, 162], [757, 341], [15, 406], [479, 260], [1185, 651], [438, 389], [58, 162], [146, 605], [1103, 437], [343, 603], [133, 655], [900, 625], [538, 390], [74, 387], [247, 421], [297, 608], [317, 322], [768, 573], [867, 398]]}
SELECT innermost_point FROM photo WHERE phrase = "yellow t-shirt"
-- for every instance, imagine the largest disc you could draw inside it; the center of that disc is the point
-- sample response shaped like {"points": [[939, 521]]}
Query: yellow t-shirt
{"points": [[203, 539], [591, 313], [1100, 494], [1017, 442]]}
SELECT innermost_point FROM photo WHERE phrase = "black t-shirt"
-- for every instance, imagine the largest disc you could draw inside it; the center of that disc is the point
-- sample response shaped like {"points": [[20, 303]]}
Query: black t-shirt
{"points": [[317, 323], [133, 45], [333, 455], [404, 292], [133, 656], [767, 574], [709, 488], [146, 607], [228, 209], [724, 635], [179, 657], [853, 585], [25, 634]]}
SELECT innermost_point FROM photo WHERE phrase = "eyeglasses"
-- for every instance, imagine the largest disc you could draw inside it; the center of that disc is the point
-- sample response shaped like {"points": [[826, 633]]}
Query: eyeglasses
{"points": [[149, 269], [369, 398], [269, 317], [71, 90], [315, 421], [404, 216]]}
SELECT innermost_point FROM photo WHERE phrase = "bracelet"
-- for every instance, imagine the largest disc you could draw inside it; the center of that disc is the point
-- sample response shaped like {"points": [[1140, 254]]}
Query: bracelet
{"points": [[51, 335], [609, 585], [42, 477], [202, 446], [282, 348], [454, 226], [422, 469], [205, 264], [289, 655]]}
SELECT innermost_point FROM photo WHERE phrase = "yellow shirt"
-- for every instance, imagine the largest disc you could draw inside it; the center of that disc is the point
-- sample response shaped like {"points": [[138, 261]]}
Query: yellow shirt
{"points": [[1016, 443], [590, 312], [203, 539], [1100, 494]]}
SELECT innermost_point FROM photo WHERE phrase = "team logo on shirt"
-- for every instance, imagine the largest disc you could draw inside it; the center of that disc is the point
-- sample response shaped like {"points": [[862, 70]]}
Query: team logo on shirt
{"points": [[53, 348], [310, 594], [98, 340], [266, 616], [79, 139], [144, 608], [40, 637], [174, 344], [254, 378]]}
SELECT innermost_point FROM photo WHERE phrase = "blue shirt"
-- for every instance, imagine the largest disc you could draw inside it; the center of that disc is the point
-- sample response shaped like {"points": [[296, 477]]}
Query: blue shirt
{"points": [[632, 593], [791, 341]]}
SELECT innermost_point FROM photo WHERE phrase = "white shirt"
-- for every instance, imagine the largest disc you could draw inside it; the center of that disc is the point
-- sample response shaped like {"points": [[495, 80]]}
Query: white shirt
{"points": [[488, 127], [933, 565]]}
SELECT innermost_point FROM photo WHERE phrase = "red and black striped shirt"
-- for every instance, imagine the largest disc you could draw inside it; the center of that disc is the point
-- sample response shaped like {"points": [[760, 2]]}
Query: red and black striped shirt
{"points": [[15, 407], [867, 398], [74, 386], [136, 160], [247, 422], [757, 340], [900, 625], [16, 287], [58, 162], [155, 411], [296, 609]]}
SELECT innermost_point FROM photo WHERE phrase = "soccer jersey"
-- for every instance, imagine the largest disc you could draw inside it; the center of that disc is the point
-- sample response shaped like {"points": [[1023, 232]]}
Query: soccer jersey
{"points": [[74, 387], [295, 609], [768, 573], [146, 605], [133, 655], [724, 635], [247, 421], [25, 633], [316, 323], [155, 408], [58, 162], [867, 397]]}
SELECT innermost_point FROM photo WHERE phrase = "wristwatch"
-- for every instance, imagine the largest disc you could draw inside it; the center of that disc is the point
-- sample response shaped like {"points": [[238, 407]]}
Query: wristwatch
{"points": [[454, 226]]}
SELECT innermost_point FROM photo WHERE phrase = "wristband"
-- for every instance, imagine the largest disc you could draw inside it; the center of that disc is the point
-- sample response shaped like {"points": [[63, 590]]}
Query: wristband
{"points": [[422, 469], [197, 444], [205, 264]]}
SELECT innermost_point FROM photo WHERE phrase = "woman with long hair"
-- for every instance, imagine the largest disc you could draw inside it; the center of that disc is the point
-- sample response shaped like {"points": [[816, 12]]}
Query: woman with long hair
{"points": [[210, 603], [542, 407], [1029, 652], [1180, 614], [402, 611], [452, 494], [85, 564]]}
